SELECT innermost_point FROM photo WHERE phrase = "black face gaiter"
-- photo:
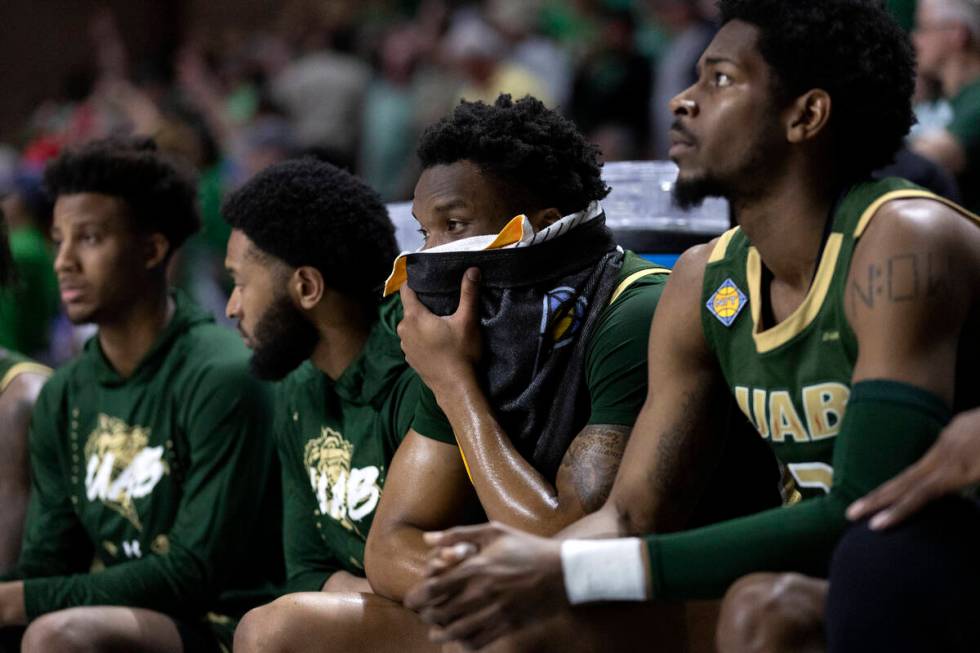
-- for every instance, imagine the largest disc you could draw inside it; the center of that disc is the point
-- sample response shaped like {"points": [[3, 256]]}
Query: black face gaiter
{"points": [[539, 306]]}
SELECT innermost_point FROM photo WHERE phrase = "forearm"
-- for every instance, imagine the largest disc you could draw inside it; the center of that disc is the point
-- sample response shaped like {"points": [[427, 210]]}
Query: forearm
{"points": [[13, 509], [170, 584], [510, 489], [703, 563], [888, 426], [603, 523], [394, 560], [12, 611]]}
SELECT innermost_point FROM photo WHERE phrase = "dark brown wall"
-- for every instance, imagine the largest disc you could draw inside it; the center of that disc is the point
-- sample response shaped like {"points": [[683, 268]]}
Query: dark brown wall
{"points": [[42, 40]]}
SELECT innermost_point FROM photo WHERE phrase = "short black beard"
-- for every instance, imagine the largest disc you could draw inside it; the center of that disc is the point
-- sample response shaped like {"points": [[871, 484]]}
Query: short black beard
{"points": [[283, 339], [689, 193], [750, 180]]}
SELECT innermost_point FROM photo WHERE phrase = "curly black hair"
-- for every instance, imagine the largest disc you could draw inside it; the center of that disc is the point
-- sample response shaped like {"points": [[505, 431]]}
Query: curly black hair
{"points": [[857, 53], [523, 144], [6, 258], [309, 212], [161, 195]]}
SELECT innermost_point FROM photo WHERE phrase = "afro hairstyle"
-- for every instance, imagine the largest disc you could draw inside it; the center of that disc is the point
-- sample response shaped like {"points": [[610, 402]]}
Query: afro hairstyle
{"points": [[161, 195], [309, 212], [853, 50], [525, 145]]}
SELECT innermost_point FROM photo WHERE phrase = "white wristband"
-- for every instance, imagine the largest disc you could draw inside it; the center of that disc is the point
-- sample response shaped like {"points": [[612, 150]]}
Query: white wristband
{"points": [[604, 570]]}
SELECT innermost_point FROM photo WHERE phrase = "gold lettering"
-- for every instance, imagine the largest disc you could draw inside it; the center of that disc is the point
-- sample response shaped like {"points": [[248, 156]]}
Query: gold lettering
{"points": [[824, 405], [759, 406], [784, 419], [742, 397]]}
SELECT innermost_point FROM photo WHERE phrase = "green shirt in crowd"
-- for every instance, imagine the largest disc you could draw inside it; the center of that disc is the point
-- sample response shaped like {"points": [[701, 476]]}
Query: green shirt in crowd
{"points": [[166, 478], [965, 128], [616, 358], [792, 380], [335, 441], [28, 307]]}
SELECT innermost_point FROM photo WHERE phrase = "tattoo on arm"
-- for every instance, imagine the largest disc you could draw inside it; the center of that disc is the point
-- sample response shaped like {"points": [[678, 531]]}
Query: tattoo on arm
{"points": [[684, 460], [592, 461], [901, 278]]}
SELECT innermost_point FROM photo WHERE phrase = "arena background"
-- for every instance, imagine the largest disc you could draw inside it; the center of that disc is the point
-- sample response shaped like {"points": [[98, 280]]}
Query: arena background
{"points": [[232, 86]]}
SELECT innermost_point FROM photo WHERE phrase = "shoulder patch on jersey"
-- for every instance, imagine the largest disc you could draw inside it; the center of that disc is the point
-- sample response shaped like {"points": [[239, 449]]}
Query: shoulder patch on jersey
{"points": [[727, 302]]}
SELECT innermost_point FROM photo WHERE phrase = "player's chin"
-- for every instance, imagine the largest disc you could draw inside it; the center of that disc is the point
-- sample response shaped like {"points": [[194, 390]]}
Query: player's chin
{"points": [[81, 314]]}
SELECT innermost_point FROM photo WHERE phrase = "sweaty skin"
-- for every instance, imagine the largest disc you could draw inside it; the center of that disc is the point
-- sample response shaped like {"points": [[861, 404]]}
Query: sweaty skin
{"points": [[910, 339], [16, 406], [451, 202]]}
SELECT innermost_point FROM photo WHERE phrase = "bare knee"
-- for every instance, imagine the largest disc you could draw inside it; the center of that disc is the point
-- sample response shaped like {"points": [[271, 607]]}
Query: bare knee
{"points": [[262, 629], [772, 613], [66, 630]]}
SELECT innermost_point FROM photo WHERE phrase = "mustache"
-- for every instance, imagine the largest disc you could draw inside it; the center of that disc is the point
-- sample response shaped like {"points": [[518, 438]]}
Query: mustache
{"points": [[680, 130]]}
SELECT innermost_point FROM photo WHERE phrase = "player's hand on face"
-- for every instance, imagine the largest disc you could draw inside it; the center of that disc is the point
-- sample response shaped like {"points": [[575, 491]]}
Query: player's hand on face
{"points": [[500, 581], [951, 465], [440, 349]]}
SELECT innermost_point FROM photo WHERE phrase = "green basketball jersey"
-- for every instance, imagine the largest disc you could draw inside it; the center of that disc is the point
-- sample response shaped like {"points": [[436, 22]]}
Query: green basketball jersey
{"points": [[793, 379]]}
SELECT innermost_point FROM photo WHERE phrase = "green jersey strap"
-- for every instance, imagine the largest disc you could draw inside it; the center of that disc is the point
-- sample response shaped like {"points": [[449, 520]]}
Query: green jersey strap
{"points": [[633, 278]]}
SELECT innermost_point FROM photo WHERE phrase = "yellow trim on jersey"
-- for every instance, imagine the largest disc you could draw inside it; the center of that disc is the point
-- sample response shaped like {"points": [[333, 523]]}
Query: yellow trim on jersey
{"points": [[721, 247], [22, 368], [466, 465], [636, 276], [806, 312], [906, 195]]}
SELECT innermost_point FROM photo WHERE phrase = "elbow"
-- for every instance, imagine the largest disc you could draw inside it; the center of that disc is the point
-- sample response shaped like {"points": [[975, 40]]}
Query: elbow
{"points": [[378, 556]]}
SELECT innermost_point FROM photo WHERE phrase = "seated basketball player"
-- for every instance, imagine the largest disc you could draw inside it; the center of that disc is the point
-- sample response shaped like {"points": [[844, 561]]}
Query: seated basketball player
{"points": [[482, 166], [834, 292], [309, 251], [20, 382], [150, 452]]}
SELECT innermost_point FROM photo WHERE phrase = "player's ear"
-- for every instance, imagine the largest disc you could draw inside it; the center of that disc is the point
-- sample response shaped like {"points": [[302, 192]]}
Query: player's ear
{"points": [[306, 286], [808, 116], [156, 248]]}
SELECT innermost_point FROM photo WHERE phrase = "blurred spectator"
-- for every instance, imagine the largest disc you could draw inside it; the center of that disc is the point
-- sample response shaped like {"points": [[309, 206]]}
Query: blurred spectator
{"points": [[389, 127], [611, 91], [517, 20], [690, 31], [30, 304], [323, 92], [479, 51], [947, 41]]}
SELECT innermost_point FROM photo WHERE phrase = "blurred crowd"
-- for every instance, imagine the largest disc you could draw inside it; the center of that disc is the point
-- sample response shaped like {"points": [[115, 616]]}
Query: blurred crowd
{"points": [[353, 83], [350, 82]]}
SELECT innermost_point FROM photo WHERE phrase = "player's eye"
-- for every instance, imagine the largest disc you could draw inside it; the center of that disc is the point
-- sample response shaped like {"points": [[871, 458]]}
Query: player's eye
{"points": [[722, 79]]}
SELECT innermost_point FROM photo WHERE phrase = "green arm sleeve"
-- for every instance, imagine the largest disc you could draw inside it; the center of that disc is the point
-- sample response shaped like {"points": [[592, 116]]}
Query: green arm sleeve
{"points": [[54, 540], [887, 427], [309, 562], [227, 418], [616, 361]]}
